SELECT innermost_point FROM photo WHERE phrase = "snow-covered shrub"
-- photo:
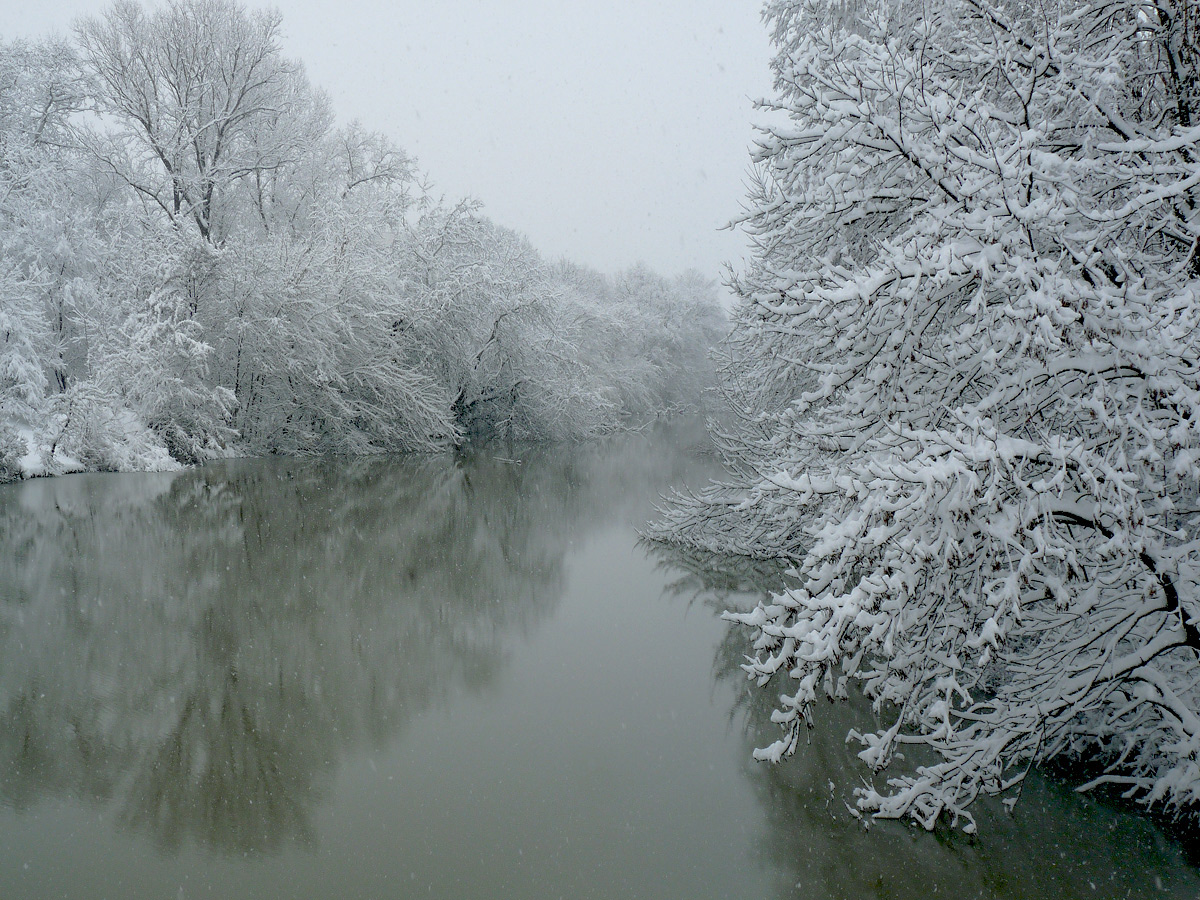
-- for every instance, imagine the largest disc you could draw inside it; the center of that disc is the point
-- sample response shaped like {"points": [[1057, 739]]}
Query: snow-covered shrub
{"points": [[149, 349], [12, 449], [89, 429]]}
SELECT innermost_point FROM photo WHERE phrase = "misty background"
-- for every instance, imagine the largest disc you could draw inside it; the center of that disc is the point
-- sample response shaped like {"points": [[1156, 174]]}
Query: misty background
{"points": [[608, 134]]}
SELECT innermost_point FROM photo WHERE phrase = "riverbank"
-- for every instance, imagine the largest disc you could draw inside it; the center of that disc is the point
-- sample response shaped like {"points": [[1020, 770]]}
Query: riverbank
{"points": [[26, 452]]}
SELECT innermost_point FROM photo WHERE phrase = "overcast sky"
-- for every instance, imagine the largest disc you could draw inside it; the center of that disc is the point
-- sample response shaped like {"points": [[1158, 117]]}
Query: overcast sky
{"points": [[608, 133]]}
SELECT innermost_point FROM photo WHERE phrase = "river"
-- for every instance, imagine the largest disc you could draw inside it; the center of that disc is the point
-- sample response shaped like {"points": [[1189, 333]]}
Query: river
{"points": [[456, 676]]}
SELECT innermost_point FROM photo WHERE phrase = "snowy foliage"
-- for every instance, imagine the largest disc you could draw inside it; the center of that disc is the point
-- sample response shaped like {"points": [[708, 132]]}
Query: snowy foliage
{"points": [[23, 338], [194, 260], [966, 362], [200, 89]]}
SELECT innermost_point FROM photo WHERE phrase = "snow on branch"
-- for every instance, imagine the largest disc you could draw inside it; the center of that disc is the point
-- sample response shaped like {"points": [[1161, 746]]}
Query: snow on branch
{"points": [[966, 364]]}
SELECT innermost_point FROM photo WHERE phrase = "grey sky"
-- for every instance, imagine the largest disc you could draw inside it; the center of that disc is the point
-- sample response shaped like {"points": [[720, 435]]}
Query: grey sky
{"points": [[608, 133]]}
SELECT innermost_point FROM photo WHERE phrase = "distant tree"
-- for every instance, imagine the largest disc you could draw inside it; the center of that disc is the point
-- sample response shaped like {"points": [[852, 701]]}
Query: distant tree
{"points": [[486, 317], [650, 338], [669, 327], [966, 361]]}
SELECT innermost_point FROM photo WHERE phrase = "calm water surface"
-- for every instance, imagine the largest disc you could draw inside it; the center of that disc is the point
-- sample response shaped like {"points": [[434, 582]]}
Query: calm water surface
{"points": [[439, 677]]}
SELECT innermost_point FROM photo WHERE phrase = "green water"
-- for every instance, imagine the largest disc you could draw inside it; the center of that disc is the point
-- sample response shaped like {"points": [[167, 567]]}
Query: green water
{"points": [[438, 677]]}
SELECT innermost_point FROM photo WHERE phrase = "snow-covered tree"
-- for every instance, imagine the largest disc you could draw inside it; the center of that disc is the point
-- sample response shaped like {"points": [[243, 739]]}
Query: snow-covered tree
{"points": [[46, 242], [153, 354], [193, 258], [486, 317], [204, 98], [306, 341], [22, 376], [36, 93], [966, 359], [667, 328]]}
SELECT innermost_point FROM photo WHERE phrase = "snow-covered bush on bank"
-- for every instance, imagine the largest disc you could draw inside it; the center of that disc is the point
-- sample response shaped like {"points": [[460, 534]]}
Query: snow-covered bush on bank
{"points": [[967, 362], [53, 417], [195, 261]]}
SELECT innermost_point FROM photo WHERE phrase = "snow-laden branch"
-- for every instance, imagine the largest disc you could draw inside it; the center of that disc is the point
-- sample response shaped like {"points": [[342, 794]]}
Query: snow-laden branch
{"points": [[966, 360]]}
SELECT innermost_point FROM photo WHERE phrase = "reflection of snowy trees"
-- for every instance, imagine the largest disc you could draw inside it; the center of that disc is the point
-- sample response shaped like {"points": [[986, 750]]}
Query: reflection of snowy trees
{"points": [[193, 259], [203, 647]]}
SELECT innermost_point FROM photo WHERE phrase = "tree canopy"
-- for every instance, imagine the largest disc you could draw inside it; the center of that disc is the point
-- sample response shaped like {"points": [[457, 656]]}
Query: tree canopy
{"points": [[965, 363], [196, 261]]}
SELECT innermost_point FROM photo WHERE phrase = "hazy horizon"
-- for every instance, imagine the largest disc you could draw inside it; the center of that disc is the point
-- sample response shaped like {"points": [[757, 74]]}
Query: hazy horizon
{"points": [[607, 135]]}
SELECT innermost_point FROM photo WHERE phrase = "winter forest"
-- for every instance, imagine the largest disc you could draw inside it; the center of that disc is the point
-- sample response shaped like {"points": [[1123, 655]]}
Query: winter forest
{"points": [[955, 405], [195, 263]]}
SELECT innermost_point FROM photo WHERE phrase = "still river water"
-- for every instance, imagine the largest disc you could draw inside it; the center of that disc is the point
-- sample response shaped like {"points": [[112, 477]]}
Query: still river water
{"points": [[452, 677]]}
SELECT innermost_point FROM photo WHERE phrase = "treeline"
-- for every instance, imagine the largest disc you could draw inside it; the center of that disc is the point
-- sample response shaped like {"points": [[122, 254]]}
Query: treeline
{"points": [[194, 261]]}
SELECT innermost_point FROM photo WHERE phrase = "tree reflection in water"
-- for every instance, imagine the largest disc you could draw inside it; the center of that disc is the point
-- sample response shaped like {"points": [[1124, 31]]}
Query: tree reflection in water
{"points": [[1055, 845], [203, 647]]}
